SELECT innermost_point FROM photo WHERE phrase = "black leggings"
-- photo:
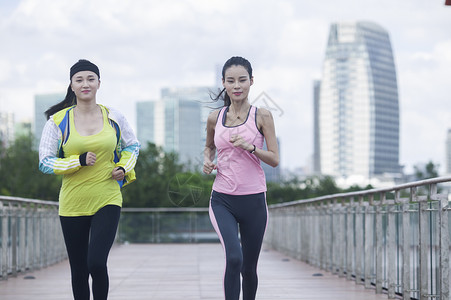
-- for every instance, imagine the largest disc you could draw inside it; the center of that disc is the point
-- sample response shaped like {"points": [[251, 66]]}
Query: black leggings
{"points": [[88, 242], [251, 214]]}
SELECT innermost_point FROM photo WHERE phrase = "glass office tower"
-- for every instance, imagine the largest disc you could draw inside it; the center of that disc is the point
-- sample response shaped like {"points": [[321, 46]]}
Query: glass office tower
{"points": [[357, 112]]}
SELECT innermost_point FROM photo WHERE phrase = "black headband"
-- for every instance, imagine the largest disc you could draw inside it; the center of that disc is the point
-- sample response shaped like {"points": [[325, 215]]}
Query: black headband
{"points": [[84, 65]]}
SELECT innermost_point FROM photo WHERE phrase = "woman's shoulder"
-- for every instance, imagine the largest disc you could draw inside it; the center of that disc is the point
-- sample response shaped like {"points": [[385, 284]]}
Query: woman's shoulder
{"points": [[214, 114], [60, 115], [264, 113], [113, 113]]}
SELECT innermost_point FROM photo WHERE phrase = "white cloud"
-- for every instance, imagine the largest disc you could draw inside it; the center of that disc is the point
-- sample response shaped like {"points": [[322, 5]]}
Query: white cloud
{"points": [[142, 46]]}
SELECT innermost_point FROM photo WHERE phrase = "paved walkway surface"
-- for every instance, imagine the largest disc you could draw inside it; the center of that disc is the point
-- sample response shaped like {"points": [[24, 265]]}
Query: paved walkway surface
{"points": [[187, 271]]}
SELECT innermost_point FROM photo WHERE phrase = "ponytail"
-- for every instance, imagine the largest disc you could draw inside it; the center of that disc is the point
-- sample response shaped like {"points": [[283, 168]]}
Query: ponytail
{"points": [[221, 96], [68, 101]]}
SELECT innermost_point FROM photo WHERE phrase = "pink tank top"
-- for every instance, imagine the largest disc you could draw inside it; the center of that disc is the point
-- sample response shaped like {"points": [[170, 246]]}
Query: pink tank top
{"points": [[238, 171]]}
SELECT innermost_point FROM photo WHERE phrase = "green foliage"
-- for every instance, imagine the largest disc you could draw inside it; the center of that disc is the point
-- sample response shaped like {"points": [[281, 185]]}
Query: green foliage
{"points": [[163, 182], [428, 171], [19, 173], [310, 187]]}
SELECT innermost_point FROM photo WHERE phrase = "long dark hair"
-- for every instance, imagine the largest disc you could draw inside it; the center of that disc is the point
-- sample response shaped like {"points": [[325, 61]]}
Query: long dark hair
{"points": [[233, 61], [68, 101]]}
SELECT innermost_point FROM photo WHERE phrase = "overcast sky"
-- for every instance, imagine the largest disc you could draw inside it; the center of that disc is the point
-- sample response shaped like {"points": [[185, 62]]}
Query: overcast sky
{"points": [[143, 46]]}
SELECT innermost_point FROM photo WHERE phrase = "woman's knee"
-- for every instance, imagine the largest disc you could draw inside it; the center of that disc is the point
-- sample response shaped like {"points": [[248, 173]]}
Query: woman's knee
{"points": [[249, 272], [234, 262], [96, 267]]}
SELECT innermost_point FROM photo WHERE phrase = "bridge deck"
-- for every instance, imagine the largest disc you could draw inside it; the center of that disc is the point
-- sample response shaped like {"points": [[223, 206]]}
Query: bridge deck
{"points": [[186, 271]]}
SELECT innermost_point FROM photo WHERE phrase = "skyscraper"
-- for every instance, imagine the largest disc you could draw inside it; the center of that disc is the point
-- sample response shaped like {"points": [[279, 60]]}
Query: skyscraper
{"points": [[316, 152], [145, 119], [176, 122], [6, 129], [357, 111]]}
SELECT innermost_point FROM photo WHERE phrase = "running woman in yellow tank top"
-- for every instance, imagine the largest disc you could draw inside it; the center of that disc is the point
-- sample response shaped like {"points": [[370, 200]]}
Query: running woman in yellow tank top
{"points": [[95, 150]]}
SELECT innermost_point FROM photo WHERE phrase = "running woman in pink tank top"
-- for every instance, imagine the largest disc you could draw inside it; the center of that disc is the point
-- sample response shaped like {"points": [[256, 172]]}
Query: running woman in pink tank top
{"points": [[237, 132]]}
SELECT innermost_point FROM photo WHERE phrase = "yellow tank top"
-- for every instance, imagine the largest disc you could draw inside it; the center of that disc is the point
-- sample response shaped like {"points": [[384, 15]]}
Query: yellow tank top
{"points": [[89, 189]]}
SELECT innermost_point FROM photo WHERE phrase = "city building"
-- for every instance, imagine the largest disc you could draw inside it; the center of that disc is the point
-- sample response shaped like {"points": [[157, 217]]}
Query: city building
{"points": [[356, 104], [448, 152], [42, 102], [6, 129], [272, 174], [316, 165], [177, 122]]}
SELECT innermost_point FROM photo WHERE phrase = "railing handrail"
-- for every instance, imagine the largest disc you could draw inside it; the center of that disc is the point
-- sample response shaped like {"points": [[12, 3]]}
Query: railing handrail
{"points": [[28, 200], [164, 209], [124, 209], [365, 192]]}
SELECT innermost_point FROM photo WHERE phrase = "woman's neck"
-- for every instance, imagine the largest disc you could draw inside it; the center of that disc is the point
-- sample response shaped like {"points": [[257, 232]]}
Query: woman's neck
{"points": [[87, 107], [239, 107]]}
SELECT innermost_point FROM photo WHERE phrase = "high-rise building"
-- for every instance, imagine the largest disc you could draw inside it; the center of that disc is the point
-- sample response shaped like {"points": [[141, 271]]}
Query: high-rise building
{"points": [[6, 129], [43, 102], [448, 152], [272, 174], [357, 113], [316, 167], [176, 122], [145, 119]]}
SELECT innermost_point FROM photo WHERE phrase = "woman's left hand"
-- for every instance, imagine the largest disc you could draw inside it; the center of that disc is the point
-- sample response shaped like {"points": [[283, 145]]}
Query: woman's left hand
{"points": [[118, 174], [238, 141]]}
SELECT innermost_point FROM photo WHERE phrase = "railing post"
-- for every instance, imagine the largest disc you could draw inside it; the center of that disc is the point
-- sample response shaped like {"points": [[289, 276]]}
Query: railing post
{"points": [[369, 233], [443, 223], [391, 248], [13, 234], [342, 240], [379, 245], [349, 238], [329, 236], [22, 234], [406, 228], [423, 241], [359, 226], [4, 244], [323, 223], [299, 227], [157, 227], [335, 237], [30, 237]]}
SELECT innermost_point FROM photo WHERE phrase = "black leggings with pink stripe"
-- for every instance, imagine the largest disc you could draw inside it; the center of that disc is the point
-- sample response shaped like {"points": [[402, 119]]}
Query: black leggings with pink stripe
{"points": [[248, 215]]}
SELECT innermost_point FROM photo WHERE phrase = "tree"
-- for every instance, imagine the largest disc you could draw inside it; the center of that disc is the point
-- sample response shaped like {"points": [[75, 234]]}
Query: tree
{"points": [[163, 182], [428, 171], [20, 175]]}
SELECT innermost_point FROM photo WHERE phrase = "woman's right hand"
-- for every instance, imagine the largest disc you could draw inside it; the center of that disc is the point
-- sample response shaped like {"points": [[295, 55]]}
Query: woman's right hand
{"points": [[209, 167], [90, 158]]}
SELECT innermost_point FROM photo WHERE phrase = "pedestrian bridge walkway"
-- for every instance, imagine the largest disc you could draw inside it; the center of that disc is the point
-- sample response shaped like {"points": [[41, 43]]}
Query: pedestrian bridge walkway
{"points": [[187, 271]]}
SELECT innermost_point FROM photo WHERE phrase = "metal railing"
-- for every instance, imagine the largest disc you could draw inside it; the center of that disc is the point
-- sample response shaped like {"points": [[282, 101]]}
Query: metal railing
{"points": [[30, 235], [166, 225], [395, 240]]}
